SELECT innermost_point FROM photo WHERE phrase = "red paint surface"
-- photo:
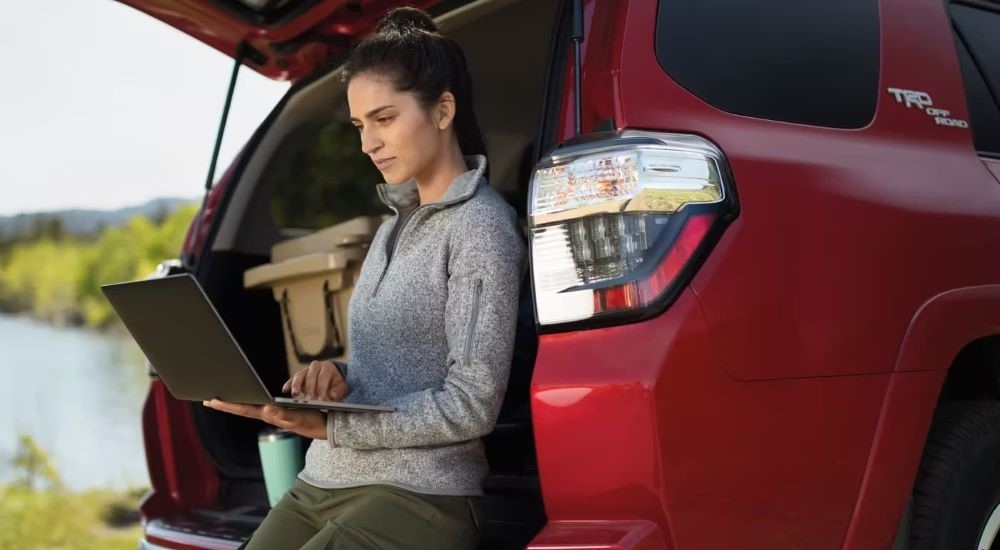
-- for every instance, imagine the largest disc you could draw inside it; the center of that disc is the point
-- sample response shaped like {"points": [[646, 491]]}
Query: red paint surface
{"points": [[180, 472], [762, 410], [599, 535]]}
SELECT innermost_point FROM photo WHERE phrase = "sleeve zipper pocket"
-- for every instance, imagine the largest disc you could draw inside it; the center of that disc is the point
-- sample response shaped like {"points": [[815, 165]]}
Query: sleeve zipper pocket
{"points": [[477, 294]]}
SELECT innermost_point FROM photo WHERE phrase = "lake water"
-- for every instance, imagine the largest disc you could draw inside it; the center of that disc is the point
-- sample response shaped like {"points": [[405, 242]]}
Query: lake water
{"points": [[79, 394]]}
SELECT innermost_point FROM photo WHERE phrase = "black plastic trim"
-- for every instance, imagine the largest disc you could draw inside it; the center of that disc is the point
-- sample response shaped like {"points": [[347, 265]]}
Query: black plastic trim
{"points": [[551, 102], [983, 111], [272, 18], [988, 5]]}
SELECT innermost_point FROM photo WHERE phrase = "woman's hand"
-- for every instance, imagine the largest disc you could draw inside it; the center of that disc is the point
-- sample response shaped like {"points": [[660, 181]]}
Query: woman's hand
{"points": [[321, 380], [307, 423]]}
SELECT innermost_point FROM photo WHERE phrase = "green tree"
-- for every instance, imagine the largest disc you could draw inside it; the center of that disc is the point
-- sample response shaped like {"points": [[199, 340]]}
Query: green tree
{"points": [[126, 253], [33, 469], [47, 227], [60, 279]]}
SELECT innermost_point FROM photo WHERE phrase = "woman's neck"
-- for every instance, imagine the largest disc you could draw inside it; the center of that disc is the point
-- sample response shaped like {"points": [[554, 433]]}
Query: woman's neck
{"points": [[432, 186]]}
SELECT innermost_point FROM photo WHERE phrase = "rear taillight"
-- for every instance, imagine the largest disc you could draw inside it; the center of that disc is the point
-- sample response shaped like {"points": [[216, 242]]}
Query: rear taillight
{"points": [[619, 221]]}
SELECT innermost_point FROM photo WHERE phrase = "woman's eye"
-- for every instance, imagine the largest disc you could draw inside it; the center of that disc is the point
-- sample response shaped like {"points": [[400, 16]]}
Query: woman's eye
{"points": [[384, 120]]}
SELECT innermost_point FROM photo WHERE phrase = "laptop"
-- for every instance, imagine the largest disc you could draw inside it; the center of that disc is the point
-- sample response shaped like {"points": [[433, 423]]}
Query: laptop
{"points": [[192, 350]]}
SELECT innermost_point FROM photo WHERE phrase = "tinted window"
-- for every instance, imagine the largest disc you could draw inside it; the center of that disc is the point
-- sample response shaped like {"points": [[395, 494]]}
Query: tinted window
{"points": [[977, 37], [806, 61], [320, 177]]}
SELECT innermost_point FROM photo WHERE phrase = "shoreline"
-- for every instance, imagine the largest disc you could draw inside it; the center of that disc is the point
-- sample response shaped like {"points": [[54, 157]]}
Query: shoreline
{"points": [[68, 320]]}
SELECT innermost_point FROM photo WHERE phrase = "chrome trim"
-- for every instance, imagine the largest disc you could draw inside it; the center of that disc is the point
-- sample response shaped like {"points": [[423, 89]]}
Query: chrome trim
{"points": [[165, 268], [989, 535], [625, 140]]}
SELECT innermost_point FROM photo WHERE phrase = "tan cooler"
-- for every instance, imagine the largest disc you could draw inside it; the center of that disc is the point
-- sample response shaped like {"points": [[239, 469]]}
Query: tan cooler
{"points": [[312, 278]]}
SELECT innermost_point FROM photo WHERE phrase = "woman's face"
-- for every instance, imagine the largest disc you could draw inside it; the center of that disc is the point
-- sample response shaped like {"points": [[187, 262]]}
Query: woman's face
{"points": [[401, 136]]}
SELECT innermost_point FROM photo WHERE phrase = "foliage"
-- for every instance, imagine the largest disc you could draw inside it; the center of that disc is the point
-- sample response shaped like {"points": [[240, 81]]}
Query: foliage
{"points": [[32, 467], [31, 518], [57, 277]]}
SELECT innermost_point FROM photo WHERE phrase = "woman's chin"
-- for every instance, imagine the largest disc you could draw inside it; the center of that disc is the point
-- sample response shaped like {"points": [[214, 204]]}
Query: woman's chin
{"points": [[393, 179]]}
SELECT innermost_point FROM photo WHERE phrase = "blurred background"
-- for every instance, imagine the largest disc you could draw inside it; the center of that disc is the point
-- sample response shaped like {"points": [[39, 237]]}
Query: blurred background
{"points": [[107, 122]]}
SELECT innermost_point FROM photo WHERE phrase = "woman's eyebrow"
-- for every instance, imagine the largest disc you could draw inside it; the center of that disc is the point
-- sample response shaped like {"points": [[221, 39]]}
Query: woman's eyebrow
{"points": [[372, 113]]}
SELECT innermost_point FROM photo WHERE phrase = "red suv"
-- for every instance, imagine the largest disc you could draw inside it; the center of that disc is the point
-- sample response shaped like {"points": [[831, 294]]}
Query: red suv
{"points": [[763, 308]]}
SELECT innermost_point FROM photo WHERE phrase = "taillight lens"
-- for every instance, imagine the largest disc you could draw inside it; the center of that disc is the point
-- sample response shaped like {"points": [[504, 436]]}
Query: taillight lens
{"points": [[618, 219]]}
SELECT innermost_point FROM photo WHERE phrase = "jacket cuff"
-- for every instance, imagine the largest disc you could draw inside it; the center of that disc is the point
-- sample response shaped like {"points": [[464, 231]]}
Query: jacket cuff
{"points": [[342, 367], [329, 430]]}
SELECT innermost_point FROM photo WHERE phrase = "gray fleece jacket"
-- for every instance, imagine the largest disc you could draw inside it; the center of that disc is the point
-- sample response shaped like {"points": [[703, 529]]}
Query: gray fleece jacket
{"points": [[431, 326]]}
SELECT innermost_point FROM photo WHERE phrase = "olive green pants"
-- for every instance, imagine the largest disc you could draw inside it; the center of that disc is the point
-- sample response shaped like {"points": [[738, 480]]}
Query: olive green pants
{"points": [[373, 517]]}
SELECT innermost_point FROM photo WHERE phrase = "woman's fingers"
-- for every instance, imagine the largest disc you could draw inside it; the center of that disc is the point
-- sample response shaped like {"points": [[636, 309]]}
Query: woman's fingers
{"points": [[325, 380], [338, 389], [278, 416], [330, 384], [320, 380], [249, 411], [310, 424], [297, 380], [312, 375]]}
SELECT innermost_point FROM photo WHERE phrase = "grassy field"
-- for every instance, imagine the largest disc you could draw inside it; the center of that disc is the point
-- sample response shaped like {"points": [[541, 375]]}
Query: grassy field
{"points": [[37, 513], [31, 519]]}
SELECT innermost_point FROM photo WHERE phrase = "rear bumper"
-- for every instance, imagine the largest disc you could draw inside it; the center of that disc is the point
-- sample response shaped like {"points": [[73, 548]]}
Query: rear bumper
{"points": [[182, 534], [563, 535], [190, 543]]}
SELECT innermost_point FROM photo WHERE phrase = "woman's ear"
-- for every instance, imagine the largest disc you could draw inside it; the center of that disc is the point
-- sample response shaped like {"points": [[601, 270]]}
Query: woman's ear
{"points": [[446, 110]]}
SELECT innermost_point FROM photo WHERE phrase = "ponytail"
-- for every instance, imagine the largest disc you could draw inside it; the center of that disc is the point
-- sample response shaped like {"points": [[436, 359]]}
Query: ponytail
{"points": [[407, 46]]}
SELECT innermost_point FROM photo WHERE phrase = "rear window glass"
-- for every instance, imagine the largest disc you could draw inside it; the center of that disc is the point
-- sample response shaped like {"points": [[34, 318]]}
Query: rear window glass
{"points": [[320, 177], [811, 62], [977, 39]]}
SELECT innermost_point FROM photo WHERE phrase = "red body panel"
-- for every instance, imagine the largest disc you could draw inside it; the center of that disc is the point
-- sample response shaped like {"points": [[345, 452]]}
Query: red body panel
{"points": [[180, 472], [599, 535], [762, 409], [631, 426], [843, 234]]}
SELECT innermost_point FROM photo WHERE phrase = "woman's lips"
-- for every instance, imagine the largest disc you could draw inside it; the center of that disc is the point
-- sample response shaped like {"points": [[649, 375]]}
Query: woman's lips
{"points": [[382, 164]]}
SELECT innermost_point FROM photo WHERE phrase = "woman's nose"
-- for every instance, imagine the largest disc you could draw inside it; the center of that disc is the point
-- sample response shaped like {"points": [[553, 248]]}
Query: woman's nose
{"points": [[369, 142]]}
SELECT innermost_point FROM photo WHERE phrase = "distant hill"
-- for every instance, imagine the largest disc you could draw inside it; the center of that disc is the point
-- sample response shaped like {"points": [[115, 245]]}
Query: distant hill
{"points": [[86, 222]]}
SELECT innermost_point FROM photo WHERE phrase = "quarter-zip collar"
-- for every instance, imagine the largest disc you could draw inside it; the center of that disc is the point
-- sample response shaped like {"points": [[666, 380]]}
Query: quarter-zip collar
{"points": [[405, 195]]}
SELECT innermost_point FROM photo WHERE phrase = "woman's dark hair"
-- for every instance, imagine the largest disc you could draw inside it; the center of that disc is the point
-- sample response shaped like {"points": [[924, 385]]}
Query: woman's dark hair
{"points": [[408, 48]]}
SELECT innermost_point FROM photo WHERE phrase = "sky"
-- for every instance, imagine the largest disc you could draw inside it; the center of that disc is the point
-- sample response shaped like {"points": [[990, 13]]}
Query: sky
{"points": [[102, 106]]}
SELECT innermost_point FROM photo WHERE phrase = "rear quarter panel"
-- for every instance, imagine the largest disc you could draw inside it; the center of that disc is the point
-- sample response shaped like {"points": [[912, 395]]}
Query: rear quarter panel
{"points": [[771, 406], [843, 234]]}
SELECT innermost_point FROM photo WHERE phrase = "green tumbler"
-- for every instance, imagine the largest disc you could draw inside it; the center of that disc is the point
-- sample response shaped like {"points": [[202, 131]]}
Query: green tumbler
{"points": [[281, 460]]}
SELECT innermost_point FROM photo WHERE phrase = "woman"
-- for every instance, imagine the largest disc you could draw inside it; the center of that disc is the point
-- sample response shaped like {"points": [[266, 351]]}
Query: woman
{"points": [[432, 319]]}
